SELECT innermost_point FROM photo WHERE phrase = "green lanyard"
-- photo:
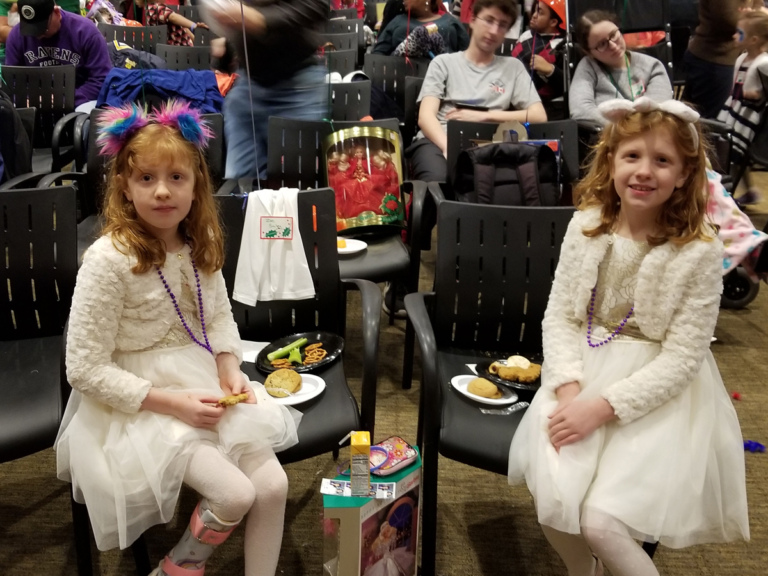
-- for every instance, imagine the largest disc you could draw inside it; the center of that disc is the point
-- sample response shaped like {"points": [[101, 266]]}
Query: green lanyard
{"points": [[629, 79]]}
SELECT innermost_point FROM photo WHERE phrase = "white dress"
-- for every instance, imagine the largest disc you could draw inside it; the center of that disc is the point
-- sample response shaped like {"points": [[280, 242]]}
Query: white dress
{"points": [[128, 466], [675, 475]]}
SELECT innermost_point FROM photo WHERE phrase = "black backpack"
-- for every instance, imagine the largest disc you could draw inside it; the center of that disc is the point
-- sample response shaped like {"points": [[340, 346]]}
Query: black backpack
{"points": [[508, 174], [15, 146]]}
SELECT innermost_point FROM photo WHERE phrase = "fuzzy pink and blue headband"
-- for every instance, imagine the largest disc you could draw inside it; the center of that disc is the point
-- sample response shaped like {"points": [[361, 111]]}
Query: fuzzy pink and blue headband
{"points": [[118, 125]]}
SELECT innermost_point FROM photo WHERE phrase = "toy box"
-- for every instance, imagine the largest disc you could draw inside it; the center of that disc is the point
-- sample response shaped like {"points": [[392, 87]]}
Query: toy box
{"points": [[374, 537]]}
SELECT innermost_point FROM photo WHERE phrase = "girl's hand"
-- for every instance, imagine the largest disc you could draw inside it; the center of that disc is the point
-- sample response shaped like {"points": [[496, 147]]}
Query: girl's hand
{"points": [[231, 379], [578, 419], [198, 410], [202, 25]]}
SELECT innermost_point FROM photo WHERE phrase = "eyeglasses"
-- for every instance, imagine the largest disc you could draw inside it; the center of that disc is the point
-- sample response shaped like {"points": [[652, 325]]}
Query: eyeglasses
{"points": [[493, 23], [613, 38]]}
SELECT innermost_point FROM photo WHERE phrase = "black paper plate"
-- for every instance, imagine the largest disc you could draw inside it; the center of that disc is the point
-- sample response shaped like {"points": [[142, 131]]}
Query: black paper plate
{"points": [[332, 343], [525, 391]]}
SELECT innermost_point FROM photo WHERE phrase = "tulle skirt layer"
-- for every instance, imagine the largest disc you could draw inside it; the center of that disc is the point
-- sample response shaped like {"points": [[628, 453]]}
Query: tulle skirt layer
{"points": [[128, 468], [675, 475]]}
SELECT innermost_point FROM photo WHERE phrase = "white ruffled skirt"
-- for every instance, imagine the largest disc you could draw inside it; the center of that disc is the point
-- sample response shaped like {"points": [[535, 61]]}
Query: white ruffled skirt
{"points": [[675, 475], [128, 468]]}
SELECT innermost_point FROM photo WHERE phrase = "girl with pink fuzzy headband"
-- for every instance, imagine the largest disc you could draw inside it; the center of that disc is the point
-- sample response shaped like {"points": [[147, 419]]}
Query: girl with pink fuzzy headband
{"points": [[151, 349]]}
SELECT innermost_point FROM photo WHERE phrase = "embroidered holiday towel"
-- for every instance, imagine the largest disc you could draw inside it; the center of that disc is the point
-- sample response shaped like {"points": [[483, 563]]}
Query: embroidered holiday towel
{"points": [[272, 263]]}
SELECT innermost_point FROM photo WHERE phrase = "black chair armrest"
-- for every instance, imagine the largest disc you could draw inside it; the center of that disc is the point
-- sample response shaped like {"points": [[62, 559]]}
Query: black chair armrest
{"points": [[229, 187], [80, 141], [435, 190], [371, 317], [28, 180], [715, 126], [55, 178], [589, 126], [65, 122]]}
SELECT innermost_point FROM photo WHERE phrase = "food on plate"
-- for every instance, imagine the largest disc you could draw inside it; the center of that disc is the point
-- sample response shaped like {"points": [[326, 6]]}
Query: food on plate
{"points": [[484, 388], [314, 353], [516, 369], [233, 399], [340, 243], [283, 382], [286, 350]]}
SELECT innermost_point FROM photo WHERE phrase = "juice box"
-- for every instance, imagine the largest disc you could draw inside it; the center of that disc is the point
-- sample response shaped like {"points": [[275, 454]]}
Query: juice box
{"points": [[360, 463]]}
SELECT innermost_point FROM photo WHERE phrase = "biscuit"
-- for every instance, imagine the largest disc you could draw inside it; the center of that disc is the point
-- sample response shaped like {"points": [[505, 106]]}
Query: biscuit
{"points": [[484, 388], [233, 399], [515, 374], [282, 383]]}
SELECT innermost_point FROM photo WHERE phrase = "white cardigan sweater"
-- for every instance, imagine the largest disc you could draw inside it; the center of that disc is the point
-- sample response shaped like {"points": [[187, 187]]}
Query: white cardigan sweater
{"points": [[677, 300], [115, 309]]}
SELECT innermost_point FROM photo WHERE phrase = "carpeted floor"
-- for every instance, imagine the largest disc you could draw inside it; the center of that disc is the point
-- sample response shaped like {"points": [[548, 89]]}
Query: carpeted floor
{"points": [[485, 526]]}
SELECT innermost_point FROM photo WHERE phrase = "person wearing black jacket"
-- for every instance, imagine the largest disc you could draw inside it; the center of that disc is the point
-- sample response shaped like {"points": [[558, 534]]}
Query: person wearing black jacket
{"points": [[286, 79]]}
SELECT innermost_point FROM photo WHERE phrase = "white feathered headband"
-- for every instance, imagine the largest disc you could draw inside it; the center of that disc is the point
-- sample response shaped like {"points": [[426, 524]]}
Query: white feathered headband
{"points": [[615, 110]]}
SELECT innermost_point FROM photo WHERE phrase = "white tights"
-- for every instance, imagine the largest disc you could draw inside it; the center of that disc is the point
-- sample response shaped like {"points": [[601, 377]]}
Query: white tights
{"points": [[606, 538], [258, 488]]}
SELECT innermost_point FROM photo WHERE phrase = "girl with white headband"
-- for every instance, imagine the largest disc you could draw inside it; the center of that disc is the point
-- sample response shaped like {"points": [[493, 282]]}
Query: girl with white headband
{"points": [[632, 435]]}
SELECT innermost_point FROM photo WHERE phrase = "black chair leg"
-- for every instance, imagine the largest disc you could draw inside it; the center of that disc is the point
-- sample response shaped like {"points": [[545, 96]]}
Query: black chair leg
{"points": [[429, 511], [650, 548], [410, 342], [141, 556], [82, 529]]}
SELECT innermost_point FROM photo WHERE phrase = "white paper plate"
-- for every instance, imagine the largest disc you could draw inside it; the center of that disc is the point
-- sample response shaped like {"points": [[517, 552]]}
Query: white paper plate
{"points": [[311, 386], [353, 246], [461, 383]]}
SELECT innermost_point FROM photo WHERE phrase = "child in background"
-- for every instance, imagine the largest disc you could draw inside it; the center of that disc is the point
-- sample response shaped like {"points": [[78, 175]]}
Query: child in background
{"points": [[632, 434], [152, 346], [181, 31], [744, 108], [540, 49]]}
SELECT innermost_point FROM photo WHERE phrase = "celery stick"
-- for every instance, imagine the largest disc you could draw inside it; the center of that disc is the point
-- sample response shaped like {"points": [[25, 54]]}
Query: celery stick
{"points": [[295, 356], [285, 350]]}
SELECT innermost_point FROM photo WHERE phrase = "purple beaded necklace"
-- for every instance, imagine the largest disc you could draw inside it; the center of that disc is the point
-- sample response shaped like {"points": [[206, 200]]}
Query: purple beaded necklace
{"points": [[589, 323], [207, 345]]}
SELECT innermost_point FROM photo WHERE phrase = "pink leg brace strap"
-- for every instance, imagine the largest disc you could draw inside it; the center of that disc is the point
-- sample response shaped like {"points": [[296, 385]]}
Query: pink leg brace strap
{"points": [[205, 534]]}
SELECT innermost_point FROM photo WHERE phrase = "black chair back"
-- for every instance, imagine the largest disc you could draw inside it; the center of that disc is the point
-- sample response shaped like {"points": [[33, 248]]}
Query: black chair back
{"points": [[203, 36], [185, 57], [388, 73], [344, 14], [506, 47], [462, 136], [39, 234], [50, 90], [341, 61], [342, 41], [567, 132], [354, 25], [411, 107], [350, 100], [144, 38], [326, 311], [493, 274]]}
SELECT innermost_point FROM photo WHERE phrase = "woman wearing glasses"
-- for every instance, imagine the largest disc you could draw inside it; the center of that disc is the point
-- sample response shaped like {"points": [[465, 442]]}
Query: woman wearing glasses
{"points": [[608, 70]]}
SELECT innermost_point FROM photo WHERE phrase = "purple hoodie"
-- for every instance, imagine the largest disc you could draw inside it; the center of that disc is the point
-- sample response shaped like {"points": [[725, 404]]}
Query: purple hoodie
{"points": [[77, 42]]}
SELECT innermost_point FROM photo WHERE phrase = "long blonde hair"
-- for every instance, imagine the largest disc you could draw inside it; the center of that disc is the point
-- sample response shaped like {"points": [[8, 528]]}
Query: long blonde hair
{"points": [[201, 228], [682, 217]]}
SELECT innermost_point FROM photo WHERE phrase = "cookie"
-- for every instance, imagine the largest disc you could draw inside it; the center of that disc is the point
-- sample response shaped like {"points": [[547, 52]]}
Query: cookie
{"points": [[282, 383], [484, 388], [515, 374], [233, 399]]}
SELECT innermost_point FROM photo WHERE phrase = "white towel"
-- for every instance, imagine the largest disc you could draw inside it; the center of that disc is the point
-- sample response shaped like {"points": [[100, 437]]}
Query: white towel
{"points": [[272, 263]]}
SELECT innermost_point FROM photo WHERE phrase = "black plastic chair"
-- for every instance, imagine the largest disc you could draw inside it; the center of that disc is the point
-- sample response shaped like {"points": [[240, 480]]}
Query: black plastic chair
{"points": [[350, 101], [144, 38], [203, 36], [506, 47], [334, 413], [413, 86], [39, 236], [344, 13], [185, 57], [346, 26], [51, 91], [462, 135], [341, 61], [493, 275], [388, 73], [297, 160], [342, 41]]}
